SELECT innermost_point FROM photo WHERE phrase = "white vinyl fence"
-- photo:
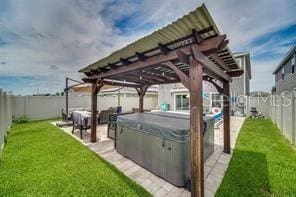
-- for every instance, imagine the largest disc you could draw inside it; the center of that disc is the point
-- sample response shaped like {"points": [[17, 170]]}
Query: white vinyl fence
{"points": [[46, 107], [5, 117], [280, 109]]}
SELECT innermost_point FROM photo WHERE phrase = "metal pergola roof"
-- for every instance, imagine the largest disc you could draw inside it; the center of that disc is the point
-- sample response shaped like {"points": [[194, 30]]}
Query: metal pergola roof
{"points": [[175, 35]]}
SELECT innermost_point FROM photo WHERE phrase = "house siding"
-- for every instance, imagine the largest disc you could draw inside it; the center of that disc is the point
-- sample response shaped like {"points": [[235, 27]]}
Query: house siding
{"points": [[166, 94], [289, 81], [238, 87]]}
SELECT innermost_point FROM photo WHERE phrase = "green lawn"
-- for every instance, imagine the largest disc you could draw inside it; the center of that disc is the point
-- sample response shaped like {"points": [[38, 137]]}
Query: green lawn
{"points": [[40, 159], [263, 163]]}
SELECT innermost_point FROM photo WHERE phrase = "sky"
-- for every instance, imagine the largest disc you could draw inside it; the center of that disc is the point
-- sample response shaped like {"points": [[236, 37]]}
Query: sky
{"points": [[44, 41]]}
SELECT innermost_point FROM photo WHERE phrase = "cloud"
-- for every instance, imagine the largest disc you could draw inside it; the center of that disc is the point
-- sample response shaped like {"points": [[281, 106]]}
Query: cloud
{"points": [[73, 34], [53, 67]]}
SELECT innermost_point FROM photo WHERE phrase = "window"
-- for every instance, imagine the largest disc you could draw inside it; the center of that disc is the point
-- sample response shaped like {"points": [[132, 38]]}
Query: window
{"points": [[239, 61], [283, 73], [182, 102], [216, 101]]}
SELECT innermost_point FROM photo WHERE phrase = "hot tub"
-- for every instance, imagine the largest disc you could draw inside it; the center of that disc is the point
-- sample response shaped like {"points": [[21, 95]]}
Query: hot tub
{"points": [[159, 142]]}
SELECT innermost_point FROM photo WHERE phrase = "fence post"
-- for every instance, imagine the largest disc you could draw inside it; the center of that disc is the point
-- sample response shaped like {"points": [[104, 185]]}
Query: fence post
{"points": [[293, 118], [1, 124], [26, 106], [281, 119]]}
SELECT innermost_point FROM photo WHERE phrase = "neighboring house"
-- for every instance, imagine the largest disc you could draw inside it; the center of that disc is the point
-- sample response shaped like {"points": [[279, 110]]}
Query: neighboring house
{"points": [[125, 97], [285, 78], [240, 86], [176, 96]]}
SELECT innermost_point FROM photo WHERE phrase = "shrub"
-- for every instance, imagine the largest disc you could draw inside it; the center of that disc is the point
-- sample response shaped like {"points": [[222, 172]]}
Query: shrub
{"points": [[21, 119]]}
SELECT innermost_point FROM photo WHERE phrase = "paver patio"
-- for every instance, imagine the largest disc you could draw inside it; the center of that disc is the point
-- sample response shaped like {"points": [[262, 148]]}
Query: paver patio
{"points": [[214, 168]]}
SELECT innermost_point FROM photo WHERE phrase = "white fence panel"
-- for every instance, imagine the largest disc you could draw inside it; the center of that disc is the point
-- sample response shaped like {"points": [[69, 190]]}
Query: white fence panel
{"points": [[280, 109], [294, 120], [46, 107], [5, 117], [278, 112]]}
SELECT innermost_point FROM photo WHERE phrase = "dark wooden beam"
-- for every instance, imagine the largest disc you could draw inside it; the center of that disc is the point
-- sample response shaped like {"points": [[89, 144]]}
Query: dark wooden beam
{"points": [[94, 72], [165, 82], [197, 36], [146, 75], [103, 69], [122, 84], [88, 74], [226, 116], [163, 48], [236, 73], [208, 64], [199, 40], [125, 61], [196, 129], [222, 45], [112, 66], [138, 79], [220, 62], [211, 80], [141, 56], [208, 45], [183, 58], [182, 76]]}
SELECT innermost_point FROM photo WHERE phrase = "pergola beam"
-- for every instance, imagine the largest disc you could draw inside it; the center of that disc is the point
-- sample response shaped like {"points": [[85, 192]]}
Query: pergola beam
{"points": [[163, 48], [122, 84], [207, 46], [211, 80], [141, 56], [235, 73], [208, 64], [220, 62], [137, 79], [182, 76], [149, 76]]}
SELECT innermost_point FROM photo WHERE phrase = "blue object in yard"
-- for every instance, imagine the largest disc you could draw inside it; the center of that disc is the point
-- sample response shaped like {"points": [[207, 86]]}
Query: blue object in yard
{"points": [[119, 110], [218, 116], [164, 106]]}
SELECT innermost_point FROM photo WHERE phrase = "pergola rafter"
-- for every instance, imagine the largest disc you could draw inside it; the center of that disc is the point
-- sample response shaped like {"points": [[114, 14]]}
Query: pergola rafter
{"points": [[200, 55]]}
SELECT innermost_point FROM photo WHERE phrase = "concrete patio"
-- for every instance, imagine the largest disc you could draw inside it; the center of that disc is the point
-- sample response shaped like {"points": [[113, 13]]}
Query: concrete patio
{"points": [[214, 168]]}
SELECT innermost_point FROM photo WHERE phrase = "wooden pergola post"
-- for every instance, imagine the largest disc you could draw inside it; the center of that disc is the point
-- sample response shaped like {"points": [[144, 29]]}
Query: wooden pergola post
{"points": [[96, 86], [141, 92], [67, 100], [196, 128], [226, 116]]}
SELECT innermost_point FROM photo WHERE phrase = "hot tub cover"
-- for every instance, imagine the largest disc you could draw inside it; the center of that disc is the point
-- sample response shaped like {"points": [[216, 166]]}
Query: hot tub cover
{"points": [[166, 125]]}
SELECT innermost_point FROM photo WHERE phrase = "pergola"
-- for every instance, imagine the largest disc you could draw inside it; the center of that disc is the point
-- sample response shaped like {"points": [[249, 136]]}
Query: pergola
{"points": [[189, 51]]}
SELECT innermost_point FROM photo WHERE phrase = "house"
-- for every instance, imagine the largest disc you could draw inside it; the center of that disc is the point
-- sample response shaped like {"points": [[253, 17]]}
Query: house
{"points": [[285, 78], [240, 86], [176, 97]]}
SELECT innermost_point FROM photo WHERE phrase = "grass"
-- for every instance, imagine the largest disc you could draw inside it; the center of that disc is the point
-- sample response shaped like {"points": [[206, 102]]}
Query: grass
{"points": [[39, 159], [263, 163]]}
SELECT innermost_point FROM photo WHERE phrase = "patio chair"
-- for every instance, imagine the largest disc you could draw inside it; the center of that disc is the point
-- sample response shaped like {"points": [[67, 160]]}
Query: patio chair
{"points": [[111, 132], [104, 115], [137, 110]]}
